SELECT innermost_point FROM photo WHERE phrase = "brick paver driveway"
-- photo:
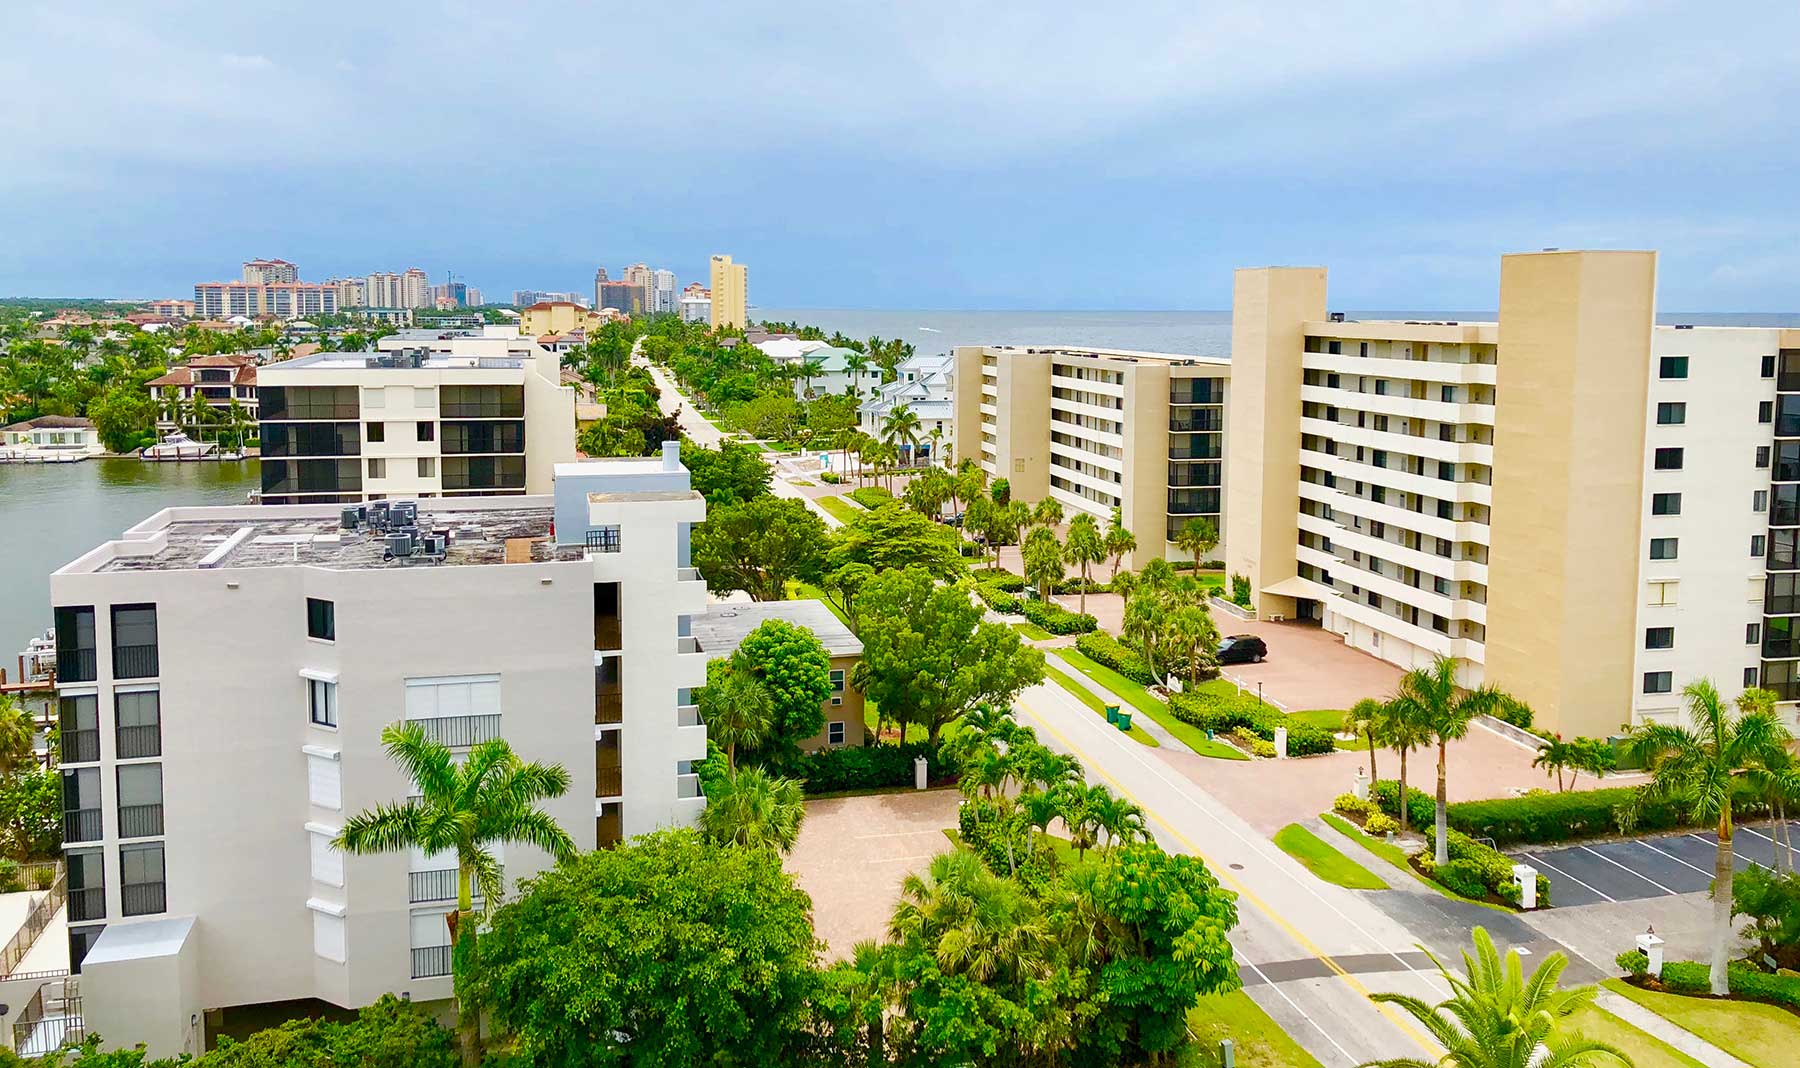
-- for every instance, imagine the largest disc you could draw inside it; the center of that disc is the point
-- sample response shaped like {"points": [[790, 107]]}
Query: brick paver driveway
{"points": [[854, 851], [1308, 666]]}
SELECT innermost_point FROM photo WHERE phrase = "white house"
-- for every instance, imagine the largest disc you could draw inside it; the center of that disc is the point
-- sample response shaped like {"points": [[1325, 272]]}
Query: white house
{"points": [[926, 385], [50, 438], [831, 368]]}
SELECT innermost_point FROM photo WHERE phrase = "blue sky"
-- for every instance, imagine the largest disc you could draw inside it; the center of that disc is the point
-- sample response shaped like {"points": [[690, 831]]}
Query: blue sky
{"points": [[922, 155]]}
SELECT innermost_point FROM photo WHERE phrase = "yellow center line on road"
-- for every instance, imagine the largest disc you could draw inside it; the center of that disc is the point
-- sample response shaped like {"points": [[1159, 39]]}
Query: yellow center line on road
{"points": [[1224, 875]]}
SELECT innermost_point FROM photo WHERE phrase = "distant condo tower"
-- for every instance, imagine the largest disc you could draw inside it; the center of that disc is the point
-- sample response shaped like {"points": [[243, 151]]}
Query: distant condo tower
{"points": [[730, 292]]}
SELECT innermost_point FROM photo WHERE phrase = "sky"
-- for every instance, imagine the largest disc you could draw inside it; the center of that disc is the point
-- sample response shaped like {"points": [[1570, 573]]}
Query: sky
{"points": [[1000, 155]]}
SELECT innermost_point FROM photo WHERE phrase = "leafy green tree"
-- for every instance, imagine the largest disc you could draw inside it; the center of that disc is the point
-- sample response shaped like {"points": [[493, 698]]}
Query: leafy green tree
{"points": [[1001, 491], [736, 708], [1771, 901], [31, 814], [791, 664], [120, 415], [750, 807], [1197, 537], [1698, 766], [1043, 558], [1431, 697], [1496, 1017], [759, 545], [387, 1034], [667, 950], [465, 808], [890, 538], [847, 581], [1084, 548], [929, 657], [732, 473], [927, 492]]}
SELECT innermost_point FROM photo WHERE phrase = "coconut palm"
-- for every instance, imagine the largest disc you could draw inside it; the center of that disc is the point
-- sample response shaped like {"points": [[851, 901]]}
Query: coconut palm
{"points": [[1043, 558], [1119, 541], [1404, 729], [1365, 719], [901, 430], [737, 710], [466, 808], [1429, 696], [971, 921], [750, 807], [1085, 547], [1499, 1018], [1697, 766], [1197, 537]]}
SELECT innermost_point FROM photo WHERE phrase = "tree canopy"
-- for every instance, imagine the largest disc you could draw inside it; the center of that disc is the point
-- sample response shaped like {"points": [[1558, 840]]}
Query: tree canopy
{"points": [[891, 537], [730, 474]]}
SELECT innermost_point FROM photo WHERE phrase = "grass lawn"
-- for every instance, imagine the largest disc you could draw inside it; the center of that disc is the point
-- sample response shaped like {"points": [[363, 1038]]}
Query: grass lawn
{"points": [[803, 482], [1086, 697], [1394, 855], [1143, 701], [1325, 862], [1331, 719], [1033, 631], [840, 509], [805, 591], [1750, 1031], [1256, 1039], [1595, 1024]]}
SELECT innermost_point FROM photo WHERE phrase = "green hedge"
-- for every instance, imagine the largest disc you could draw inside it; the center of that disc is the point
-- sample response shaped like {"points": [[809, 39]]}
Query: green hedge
{"points": [[997, 599], [868, 767], [1689, 977], [1557, 817], [1073, 586], [1059, 620], [1421, 807], [871, 496], [999, 578], [1474, 864], [1226, 713], [1103, 648]]}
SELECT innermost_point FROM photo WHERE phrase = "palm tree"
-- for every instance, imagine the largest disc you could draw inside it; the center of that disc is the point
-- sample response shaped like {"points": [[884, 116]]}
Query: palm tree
{"points": [[467, 808], [1084, 547], [1047, 512], [737, 710], [1430, 697], [1697, 766], [1402, 728], [1042, 555], [901, 429], [1365, 719], [856, 364], [750, 807], [1556, 755], [1191, 629], [1119, 818], [1197, 537], [1498, 1018], [971, 921], [18, 735], [1119, 541]]}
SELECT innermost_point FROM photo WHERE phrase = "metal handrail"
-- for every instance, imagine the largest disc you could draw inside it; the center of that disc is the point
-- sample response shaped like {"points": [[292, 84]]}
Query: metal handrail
{"points": [[35, 921], [459, 731], [140, 821], [430, 961]]}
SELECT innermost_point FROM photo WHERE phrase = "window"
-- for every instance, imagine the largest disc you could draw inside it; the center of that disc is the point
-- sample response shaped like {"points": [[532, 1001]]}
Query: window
{"points": [[1759, 500], [374, 397], [75, 644], [1765, 411], [377, 468], [79, 717], [327, 860], [1659, 638], [1664, 548], [1749, 677], [1668, 459], [142, 889], [87, 885], [1671, 413], [1659, 681], [1441, 586], [140, 800], [1446, 470], [134, 641], [837, 686], [427, 467], [329, 936], [324, 779], [1662, 594], [1758, 545], [1665, 504], [138, 716], [1762, 457], [1673, 367], [1752, 633], [1768, 367], [1447, 394], [375, 432], [321, 619], [426, 431], [834, 732], [322, 702], [81, 804]]}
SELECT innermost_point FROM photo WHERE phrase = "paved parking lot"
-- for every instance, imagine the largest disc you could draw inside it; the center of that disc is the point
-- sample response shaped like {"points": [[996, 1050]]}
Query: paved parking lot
{"points": [[1631, 870]]}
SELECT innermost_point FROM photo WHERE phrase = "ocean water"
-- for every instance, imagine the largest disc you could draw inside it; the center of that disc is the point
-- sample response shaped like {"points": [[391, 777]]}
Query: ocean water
{"points": [[1192, 333]]}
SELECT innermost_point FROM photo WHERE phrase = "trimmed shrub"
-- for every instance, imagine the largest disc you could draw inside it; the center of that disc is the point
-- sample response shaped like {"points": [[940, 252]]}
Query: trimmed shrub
{"points": [[1633, 962], [830, 478], [1421, 807], [1382, 823], [997, 599], [1073, 586], [1557, 817], [1240, 591], [1693, 978], [999, 578], [1103, 648], [868, 767], [1351, 805], [1494, 870], [871, 496], [1058, 620], [1462, 877], [969, 548], [1227, 713]]}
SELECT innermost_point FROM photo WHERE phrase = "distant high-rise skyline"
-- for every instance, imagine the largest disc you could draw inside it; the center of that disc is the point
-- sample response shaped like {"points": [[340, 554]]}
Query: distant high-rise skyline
{"points": [[730, 292]]}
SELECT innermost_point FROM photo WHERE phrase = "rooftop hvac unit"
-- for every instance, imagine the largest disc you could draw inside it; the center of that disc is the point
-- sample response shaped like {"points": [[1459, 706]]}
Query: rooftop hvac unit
{"points": [[403, 513], [399, 545], [433, 545], [352, 517], [1337, 317], [377, 517]]}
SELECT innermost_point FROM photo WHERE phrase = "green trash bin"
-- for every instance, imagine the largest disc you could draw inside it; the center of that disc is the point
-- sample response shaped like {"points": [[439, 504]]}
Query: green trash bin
{"points": [[1112, 713], [1124, 720]]}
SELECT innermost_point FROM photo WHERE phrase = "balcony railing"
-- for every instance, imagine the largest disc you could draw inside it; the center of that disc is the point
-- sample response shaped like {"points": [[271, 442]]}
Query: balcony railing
{"points": [[35, 922], [134, 662], [460, 731], [606, 632], [76, 665], [87, 904], [50, 1020], [80, 747], [429, 961], [687, 644], [81, 825], [608, 781], [439, 885], [609, 707], [687, 785], [609, 830], [143, 899], [687, 715], [140, 821], [140, 742], [687, 574]]}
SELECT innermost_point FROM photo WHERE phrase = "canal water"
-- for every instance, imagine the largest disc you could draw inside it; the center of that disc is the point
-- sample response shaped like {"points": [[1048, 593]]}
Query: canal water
{"points": [[52, 513]]}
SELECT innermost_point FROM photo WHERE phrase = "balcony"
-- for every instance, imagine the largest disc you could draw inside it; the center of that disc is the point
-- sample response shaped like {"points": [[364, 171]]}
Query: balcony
{"points": [[687, 716], [459, 731], [143, 899], [687, 644], [608, 781], [606, 632], [430, 961], [688, 786], [134, 662], [609, 828], [437, 885], [81, 825], [76, 665], [140, 821], [139, 742], [87, 904], [687, 574], [609, 707], [80, 747]]}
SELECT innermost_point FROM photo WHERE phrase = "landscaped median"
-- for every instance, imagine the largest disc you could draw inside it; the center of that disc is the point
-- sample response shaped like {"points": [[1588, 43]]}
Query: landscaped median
{"points": [[1086, 696], [1142, 700], [1475, 871], [1394, 855], [1327, 863], [1754, 1032], [840, 509]]}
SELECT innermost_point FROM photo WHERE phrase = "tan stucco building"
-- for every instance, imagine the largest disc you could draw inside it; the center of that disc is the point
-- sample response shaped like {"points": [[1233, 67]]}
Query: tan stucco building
{"points": [[727, 623], [730, 293], [558, 317], [1579, 505]]}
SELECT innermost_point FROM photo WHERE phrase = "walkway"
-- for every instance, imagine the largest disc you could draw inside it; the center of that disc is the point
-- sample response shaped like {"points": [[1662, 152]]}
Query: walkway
{"points": [[1681, 1038]]}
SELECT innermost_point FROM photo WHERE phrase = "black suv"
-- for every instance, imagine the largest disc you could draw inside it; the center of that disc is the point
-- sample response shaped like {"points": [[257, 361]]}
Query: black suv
{"points": [[1242, 649]]}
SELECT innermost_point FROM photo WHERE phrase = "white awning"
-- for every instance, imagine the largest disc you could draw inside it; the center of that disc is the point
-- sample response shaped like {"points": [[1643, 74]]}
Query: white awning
{"points": [[1299, 587]]}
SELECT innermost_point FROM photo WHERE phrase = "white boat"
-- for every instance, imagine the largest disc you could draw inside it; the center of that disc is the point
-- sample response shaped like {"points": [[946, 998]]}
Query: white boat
{"points": [[178, 446], [38, 659]]}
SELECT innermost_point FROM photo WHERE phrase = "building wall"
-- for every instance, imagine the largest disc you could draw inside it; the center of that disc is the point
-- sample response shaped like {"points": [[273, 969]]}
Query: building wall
{"points": [[730, 293], [538, 320], [1022, 426], [849, 711], [1569, 483]]}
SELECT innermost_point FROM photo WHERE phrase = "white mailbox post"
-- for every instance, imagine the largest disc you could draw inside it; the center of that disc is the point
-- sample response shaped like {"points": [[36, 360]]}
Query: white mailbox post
{"points": [[919, 773], [1281, 743], [1527, 876], [1652, 948], [1361, 787]]}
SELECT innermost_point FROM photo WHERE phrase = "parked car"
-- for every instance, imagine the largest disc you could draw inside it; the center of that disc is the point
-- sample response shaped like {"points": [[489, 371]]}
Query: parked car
{"points": [[1242, 649]]}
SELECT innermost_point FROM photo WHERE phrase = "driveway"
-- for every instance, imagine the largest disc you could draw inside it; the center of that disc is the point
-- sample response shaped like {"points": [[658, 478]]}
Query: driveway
{"points": [[853, 853], [1307, 666]]}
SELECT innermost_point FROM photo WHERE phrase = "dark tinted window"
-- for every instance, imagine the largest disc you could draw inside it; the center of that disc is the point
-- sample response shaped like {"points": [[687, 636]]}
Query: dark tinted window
{"points": [[321, 619]]}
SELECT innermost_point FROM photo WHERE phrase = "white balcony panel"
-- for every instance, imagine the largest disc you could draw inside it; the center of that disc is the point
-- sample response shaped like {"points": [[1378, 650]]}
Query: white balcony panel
{"points": [[1108, 388], [1418, 370], [1075, 452]]}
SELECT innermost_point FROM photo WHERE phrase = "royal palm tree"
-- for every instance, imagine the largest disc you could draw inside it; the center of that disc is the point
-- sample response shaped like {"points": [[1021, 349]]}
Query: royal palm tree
{"points": [[750, 807], [901, 429], [1431, 697], [466, 808], [1365, 720], [1085, 547], [736, 709], [1404, 729], [971, 922], [1042, 556], [1697, 766], [1119, 541], [1499, 1018]]}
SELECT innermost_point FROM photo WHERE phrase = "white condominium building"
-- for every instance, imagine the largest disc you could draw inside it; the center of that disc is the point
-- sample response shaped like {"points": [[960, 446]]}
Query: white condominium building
{"points": [[1581, 506], [285, 300], [461, 416], [1098, 429], [225, 674], [262, 271]]}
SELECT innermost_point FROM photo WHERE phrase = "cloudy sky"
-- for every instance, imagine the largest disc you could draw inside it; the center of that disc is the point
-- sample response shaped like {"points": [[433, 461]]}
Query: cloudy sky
{"points": [[914, 155]]}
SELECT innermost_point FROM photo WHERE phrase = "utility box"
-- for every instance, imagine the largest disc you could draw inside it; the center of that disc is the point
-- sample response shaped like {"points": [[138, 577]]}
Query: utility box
{"points": [[1652, 947], [921, 773], [1280, 743], [1527, 876]]}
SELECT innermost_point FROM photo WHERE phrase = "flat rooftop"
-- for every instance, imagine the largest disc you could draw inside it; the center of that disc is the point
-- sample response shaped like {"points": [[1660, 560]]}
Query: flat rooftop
{"points": [[249, 536], [429, 360], [728, 623], [1131, 355]]}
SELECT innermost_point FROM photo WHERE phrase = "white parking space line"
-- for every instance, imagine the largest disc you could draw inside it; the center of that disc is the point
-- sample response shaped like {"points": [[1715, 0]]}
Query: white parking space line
{"points": [[1674, 858], [1778, 846], [1571, 878], [1640, 875], [1749, 860]]}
